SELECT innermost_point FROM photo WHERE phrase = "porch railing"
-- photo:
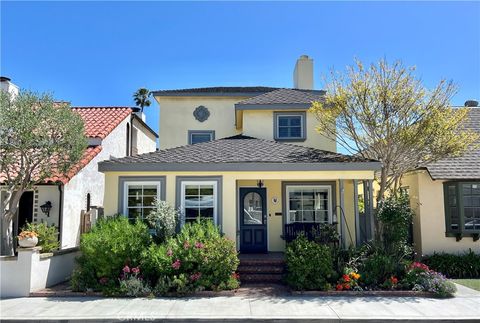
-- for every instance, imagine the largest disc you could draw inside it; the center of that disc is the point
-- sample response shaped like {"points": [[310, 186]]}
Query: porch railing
{"points": [[312, 231]]}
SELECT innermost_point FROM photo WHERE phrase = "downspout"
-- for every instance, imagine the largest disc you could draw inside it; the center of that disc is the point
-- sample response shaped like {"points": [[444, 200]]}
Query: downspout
{"points": [[60, 213]]}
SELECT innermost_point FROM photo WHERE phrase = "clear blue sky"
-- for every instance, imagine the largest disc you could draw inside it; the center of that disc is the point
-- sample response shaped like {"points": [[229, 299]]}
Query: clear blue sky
{"points": [[99, 53]]}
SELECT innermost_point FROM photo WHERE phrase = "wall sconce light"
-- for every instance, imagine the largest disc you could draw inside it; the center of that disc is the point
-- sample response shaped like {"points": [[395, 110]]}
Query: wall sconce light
{"points": [[334, 218], [46, 208], [259, 183]]}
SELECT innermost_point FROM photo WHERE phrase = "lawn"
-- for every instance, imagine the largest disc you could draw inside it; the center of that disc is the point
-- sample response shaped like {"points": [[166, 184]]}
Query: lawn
{"points": [[470, 283]]}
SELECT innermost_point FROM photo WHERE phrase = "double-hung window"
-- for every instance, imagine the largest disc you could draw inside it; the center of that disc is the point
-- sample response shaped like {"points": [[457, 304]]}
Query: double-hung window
{"points": [[462, 207], [139, 198], [199, 200], [311, 204], [198, 136], [289, 126]]}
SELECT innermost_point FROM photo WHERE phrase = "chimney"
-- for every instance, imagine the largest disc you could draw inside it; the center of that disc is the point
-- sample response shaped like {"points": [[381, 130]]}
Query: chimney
{"points": [[471, 103], [303, 73], [8, 86]]}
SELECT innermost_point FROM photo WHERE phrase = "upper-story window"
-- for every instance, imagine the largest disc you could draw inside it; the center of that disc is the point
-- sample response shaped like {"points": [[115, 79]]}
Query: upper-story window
{"points": [[198, 136], [289, 126]]}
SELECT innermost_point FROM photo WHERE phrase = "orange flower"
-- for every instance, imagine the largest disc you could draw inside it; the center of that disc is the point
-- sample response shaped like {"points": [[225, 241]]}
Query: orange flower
{"points": [[346, 278], [346, 286], [394, 280], [27, 234]]}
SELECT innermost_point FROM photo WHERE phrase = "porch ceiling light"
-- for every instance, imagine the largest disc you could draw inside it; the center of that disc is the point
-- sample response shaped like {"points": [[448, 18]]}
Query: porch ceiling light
{"points": [[46, 208], [259, 183]]}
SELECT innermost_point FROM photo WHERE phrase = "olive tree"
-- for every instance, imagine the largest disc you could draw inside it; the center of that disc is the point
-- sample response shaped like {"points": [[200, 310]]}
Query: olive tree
{"points": [[384, 112], [38, 139]]}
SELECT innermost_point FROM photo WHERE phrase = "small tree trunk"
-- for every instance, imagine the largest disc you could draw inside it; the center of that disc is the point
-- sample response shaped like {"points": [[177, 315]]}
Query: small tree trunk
{"points": [[7, 234]]}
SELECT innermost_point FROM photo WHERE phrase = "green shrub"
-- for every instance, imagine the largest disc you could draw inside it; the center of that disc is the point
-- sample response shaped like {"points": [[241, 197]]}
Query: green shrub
{"points": [[47, 236], [466, 265], [106, 249], [132, 284], [421, 278], [199, 257], [309, 265]]}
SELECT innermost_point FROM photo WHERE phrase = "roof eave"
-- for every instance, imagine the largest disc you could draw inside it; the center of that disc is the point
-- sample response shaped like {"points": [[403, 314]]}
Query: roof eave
{"points": [[207, 94], [274, 106], [109, 166]]}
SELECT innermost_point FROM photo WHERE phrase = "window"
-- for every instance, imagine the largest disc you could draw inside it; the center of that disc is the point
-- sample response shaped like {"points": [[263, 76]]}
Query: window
{"points": [[198, 136], [139, 198], [309, 203], [199, 199], [289, 126], [462, 207]]}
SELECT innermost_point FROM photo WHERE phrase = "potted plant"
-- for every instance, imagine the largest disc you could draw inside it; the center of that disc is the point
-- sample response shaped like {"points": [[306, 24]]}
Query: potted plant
{"points": [[27, 239]]}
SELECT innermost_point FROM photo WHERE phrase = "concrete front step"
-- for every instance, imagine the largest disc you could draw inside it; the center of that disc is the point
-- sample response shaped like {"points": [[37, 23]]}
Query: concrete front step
{"points": [[262, 262]]}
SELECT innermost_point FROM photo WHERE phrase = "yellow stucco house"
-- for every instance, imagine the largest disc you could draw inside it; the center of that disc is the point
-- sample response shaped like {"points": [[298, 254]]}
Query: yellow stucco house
{"points": [[250, 159], [446, 199]]}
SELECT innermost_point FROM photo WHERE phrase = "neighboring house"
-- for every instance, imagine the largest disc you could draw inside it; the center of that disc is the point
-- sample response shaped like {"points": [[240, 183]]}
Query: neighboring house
{"points": [[112, 132], [445, 196], [248, 158]]}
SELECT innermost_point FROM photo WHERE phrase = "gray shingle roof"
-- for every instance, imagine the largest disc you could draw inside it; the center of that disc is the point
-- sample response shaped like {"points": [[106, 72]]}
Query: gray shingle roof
{"points": [[217, 90], [463, 167], [284, 96], [239, 150]]}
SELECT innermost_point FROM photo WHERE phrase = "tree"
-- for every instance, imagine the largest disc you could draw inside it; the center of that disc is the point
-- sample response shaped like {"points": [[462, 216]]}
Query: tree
{"points": [[385, 113], [141, 98], [38, 140]]}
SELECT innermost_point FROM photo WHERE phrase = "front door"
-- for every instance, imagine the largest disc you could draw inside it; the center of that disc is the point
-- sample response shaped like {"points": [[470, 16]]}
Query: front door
{"points": [[25, 210], [253, 220]]}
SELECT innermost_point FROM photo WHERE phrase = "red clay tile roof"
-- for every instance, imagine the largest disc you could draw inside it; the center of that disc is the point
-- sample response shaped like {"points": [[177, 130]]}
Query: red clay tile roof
{"points": [[100, 121]]}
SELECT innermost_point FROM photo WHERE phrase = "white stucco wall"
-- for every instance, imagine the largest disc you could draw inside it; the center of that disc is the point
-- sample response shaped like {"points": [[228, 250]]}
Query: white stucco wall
{"points": [[143, 139], [89, 180]]}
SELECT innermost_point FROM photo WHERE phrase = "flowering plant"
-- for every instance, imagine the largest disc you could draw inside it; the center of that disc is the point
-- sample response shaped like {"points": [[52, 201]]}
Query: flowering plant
{"points": [[25, 234], [131, 282], [391, 283], [349, 281], [420, 277]]}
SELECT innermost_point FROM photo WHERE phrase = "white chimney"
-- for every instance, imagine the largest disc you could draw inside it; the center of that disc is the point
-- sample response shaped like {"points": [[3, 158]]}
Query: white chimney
{"points": [[303, 73], [8, 86]]}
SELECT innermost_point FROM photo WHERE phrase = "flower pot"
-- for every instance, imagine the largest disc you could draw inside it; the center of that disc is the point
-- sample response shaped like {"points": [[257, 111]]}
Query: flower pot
{"points": [[28, 242]]}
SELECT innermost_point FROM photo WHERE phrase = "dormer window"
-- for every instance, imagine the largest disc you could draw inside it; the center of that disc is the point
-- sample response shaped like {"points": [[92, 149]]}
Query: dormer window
{"points": [[198, 136], [289, 126]]}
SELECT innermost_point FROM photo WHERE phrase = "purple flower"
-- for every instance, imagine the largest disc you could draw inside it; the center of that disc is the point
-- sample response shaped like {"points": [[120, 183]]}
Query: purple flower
{"points": [[196, 276]]}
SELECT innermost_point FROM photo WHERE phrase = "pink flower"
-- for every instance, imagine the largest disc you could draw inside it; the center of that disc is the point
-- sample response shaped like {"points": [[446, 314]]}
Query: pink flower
{"points": [[103, 280], [195, 276], [169, 252], [186, 245], [135, 270], [199, 245], [126, 269], [176, 264]]}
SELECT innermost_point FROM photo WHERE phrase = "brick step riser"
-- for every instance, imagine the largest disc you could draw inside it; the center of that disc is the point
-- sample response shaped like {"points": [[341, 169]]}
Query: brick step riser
{"points": [[261, 278], [261, 263], [260, 270]]}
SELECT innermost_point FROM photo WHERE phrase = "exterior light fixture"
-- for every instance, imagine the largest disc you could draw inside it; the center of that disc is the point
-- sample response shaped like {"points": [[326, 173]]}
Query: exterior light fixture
{"points": [[259, 183], [46, 208]]}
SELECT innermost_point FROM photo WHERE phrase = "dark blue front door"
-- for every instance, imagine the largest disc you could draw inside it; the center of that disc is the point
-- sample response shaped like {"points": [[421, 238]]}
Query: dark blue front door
{"points": [[253, 220]]}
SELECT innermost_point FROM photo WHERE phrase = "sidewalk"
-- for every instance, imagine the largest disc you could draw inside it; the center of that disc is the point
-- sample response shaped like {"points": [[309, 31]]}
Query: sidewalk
{"points": [[464, 307]]}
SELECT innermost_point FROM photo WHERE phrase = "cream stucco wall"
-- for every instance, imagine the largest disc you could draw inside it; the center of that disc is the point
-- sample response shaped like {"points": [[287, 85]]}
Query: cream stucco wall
{"points": [[426, 197], [176, 118], [231, 181], [260, 123], [144, 141]]}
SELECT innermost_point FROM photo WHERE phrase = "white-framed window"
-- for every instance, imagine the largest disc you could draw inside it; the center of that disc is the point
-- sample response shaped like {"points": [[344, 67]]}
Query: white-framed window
{"points": [[198, 136], [199, 199], [290, 126], [309, 203], [139, 198]]}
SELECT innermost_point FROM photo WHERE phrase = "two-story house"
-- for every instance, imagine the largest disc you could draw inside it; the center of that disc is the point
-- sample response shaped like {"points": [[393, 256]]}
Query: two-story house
{"points": [[250, 159], [112, 132]]}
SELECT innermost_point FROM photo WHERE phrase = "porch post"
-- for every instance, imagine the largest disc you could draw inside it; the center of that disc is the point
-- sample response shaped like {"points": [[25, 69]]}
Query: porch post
{"points": [[370, 209], [341, 213], [358, 237]]}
